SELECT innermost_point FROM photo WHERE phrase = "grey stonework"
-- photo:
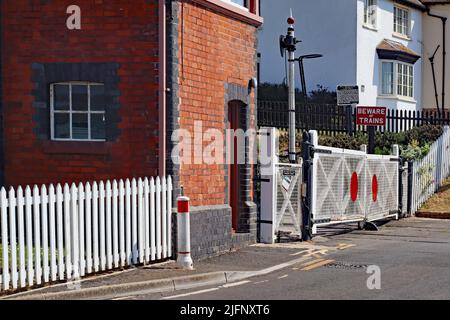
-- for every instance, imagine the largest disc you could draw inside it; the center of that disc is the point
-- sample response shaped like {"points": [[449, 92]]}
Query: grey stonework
{"points": [[211, 232], [44, 74]]}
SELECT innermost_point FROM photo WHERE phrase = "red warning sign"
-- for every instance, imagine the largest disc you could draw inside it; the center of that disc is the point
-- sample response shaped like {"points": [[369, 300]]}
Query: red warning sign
{"points": [[371, 116]]}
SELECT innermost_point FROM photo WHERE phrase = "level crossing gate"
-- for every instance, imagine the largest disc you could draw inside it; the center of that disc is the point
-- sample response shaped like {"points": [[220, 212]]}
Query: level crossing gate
{"points": [[328, 186]]}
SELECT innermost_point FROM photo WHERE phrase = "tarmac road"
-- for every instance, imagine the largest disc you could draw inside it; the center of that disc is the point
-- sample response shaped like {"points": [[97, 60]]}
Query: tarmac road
{"points": [[413, 257]]}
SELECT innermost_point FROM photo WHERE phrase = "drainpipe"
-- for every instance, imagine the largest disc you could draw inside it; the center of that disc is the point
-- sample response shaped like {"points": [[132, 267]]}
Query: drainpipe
{"points": [[444, 53], [162, 88]]}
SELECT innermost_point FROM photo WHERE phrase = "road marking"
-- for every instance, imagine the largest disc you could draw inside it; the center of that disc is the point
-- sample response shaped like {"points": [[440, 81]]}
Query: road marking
{"points": [[235, 284], [295, 269], [346, 247], [311, 262], [264, 281], [282, 277], [190, 294], [317, 265], [300, 252], [123, 298]]}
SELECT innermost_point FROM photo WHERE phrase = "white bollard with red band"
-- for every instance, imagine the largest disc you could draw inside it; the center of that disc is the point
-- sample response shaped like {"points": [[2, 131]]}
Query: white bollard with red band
{"points": [[184, 259]]}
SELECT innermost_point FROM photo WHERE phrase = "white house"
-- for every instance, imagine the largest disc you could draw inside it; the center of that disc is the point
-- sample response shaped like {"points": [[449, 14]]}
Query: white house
{"points": [[376, 44]]}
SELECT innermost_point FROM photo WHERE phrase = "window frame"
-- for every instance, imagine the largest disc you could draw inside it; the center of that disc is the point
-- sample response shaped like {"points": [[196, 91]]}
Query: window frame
{"points": [[408, 22], [395, 91], [366, 10], [244, 7], [89, 112]]}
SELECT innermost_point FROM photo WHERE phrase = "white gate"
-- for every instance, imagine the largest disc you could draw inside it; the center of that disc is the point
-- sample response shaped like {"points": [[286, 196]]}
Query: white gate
{"points": [[352, 186], [281, 202]]}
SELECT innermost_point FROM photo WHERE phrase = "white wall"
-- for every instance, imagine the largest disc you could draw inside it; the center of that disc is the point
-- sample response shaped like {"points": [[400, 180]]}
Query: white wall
{"points": [[368, 74], [327, 27]]}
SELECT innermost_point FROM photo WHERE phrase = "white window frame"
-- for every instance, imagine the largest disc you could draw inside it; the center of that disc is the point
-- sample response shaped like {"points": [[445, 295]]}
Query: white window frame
{"points": [[89, 112], [395, 91], [373, 22], [245, 7], [398, 33]]}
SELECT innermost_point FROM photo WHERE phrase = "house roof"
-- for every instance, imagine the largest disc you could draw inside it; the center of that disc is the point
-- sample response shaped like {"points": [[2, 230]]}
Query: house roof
{"points": [[417, 4], [432, 2], [393, 50]]}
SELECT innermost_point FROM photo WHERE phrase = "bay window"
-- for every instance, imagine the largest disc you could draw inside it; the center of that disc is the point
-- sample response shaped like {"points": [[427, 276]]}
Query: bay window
{"points": [[397, 79]]}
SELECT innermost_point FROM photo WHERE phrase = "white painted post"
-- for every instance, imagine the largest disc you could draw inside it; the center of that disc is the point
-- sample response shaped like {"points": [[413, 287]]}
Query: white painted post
{"points": [[21, 229], [315, 143], [169, 216], [115, 194], [363, 148], [67, 232], [122, 223], [102, 225], [52, 219], [37, 234], [268, 161], [158, 219], [29, 232], [4, 233], [152, 221], [141, 247], [13, 236], [184, 259], [75, 232], [108, 212], [44, 218], [134, 230], [147, 219], [95, 237], [164, 217], [81, 229], [88, 199], [60, 230], [129, 250]]}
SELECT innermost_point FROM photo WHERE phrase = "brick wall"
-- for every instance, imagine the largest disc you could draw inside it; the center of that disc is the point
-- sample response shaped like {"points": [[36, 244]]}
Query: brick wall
{"points": [[214, 50], [123, 33]]}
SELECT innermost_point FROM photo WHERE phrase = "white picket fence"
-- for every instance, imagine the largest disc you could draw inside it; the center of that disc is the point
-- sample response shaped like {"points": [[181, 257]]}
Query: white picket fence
{"points": [[430, 172], [66, 232]]}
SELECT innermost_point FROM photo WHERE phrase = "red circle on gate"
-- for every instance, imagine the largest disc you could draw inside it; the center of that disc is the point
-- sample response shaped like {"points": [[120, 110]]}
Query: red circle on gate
{"points": [[374, 188], [354, 187]]}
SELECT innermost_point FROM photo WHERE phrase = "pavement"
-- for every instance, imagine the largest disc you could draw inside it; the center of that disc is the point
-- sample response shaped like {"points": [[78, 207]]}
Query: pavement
{"points": [[413, 257]]}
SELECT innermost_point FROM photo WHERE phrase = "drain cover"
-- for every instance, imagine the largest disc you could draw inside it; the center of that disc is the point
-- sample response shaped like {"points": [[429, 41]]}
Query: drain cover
{"points": [[346, 266]]}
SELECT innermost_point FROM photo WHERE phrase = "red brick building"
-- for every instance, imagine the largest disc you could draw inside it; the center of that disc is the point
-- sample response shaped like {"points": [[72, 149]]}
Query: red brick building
{"points": [[102, 99]]}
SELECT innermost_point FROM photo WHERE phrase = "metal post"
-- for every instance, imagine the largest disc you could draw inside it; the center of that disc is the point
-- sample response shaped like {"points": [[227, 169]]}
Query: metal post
{"points": [[291, 86], [184, 259], [371, 130], [410, 186], [349, 119], [306, 187]]}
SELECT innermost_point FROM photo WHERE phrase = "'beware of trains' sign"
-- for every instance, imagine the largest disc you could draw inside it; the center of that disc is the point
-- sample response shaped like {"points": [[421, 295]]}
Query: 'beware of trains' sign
{"points": [[371, 116]]}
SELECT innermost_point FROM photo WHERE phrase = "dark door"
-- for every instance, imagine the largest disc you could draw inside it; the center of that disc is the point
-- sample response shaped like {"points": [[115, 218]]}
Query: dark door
{"points": [[233, 167]]}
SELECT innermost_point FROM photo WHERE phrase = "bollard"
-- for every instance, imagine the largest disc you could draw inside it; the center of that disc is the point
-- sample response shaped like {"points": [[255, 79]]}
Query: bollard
{"points": [[184, 259]]}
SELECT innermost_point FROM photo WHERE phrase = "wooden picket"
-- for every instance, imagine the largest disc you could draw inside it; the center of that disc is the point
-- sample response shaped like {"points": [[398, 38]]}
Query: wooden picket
{"points": [[67, 232], [430, 172]]}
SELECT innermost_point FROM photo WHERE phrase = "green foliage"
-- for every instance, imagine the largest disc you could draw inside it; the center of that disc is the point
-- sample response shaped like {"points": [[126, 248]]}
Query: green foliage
{"points": [[414, 144], [278, 92]]}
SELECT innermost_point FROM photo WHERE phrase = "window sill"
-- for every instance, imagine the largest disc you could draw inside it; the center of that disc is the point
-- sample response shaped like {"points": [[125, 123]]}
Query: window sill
{"points": [[399, 98], [76, 147], [233, 11], [401, 36], [370, 27]]}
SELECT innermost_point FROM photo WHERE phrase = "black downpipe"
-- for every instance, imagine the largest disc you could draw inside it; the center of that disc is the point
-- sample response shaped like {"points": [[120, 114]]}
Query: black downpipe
{"points": [[444, 53], [434, 79]]}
